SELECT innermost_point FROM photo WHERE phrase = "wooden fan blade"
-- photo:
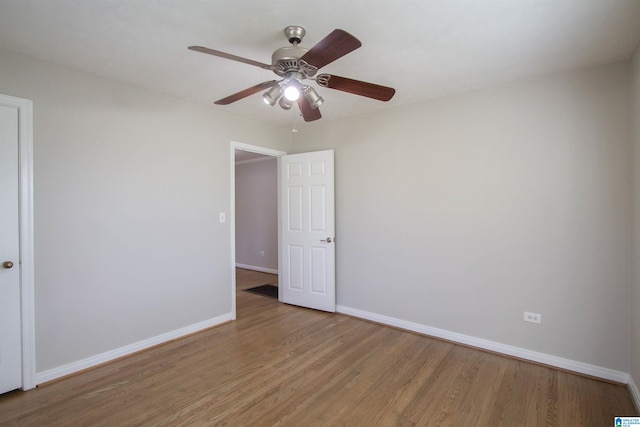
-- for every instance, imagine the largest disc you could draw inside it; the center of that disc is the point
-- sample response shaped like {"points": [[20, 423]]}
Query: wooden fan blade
{"points": [[336, 45], [357, 87], [244, 93], [229, 56], [309, 114]]}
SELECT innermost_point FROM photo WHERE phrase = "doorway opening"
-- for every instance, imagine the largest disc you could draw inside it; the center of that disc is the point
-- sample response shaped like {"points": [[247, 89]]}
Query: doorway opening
{"points": [[254, 218]]}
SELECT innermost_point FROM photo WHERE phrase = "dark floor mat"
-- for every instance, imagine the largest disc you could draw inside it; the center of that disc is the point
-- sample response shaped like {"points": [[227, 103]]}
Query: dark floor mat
{"points": [[266, 290]]}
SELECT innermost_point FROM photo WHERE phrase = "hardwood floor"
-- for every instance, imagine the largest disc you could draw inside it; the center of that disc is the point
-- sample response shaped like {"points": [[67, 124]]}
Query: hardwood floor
{"points": [[284, 365], [246, 279]]}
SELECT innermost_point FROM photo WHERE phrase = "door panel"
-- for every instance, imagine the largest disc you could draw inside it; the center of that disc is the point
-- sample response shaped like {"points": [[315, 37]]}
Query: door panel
{"points": [[296, 260], [318, 270], [307, 230], [295, 209], [318, 216]]}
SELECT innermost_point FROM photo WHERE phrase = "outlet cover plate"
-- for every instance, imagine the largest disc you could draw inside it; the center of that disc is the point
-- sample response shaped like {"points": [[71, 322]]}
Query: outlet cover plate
{"points": [[532, 317]]}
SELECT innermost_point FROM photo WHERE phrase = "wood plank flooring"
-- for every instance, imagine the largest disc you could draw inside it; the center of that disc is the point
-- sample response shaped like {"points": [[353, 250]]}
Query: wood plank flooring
{"points": [[246, 279], [284, 365]]}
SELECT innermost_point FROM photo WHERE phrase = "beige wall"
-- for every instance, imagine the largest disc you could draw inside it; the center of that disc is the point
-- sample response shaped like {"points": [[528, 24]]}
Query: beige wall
{"points": [[635, 299], [257, 213], [461, 213], [128, 187]]}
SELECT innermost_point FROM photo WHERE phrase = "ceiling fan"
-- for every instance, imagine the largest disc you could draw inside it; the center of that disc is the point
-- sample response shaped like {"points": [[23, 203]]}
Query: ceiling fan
{"points": [[295, 64]]}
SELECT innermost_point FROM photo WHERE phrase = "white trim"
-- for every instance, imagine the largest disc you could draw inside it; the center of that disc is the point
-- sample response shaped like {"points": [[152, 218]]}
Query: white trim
{"points": [[521, 353], [98, 359], [232, 209], [256, 268], [280, 251], [25, 191], [635, 393], [232, 226], [255, 149], [259, 159]]}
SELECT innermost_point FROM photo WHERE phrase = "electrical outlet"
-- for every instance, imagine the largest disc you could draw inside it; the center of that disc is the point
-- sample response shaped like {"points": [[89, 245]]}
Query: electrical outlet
{"points": [[532, 317], [261, 253]]}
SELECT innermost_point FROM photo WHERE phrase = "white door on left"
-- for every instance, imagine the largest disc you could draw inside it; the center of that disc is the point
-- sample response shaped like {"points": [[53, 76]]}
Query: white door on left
{"points": [[10, 316]]}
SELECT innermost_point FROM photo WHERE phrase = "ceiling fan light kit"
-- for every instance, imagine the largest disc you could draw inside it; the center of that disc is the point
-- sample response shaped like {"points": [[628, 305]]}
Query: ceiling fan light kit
{"points": [[294, 64], [312, 96], [285, 104], [292, 89], [272, 95]]}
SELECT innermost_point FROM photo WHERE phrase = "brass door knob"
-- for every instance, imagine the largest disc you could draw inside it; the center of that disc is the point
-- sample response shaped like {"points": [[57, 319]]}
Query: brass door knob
{"points": [[7, 264]]}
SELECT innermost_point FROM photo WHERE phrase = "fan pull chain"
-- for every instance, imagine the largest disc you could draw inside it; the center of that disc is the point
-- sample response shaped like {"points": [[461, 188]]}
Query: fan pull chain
{"points": [[293, 123], [293, 127]]}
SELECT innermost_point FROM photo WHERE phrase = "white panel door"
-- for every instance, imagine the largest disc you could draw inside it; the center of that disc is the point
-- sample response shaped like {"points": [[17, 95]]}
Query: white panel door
{"points": [[10, 329], [307, 230]]}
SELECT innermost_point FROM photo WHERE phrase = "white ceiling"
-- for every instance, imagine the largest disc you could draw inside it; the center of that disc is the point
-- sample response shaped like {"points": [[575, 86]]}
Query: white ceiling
{"points": [[423, 48]]}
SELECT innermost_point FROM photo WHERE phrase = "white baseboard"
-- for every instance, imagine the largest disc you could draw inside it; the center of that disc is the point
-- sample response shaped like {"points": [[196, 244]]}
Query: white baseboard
{"points": [[253, 267], [98, 359], [635, 393], [547, 359]]}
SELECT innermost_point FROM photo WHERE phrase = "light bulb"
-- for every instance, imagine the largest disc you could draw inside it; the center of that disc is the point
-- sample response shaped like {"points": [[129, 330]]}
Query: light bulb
{"points": [[292, 93]]}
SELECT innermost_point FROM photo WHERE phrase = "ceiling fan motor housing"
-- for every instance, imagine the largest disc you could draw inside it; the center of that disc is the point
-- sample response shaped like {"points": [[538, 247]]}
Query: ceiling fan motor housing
{"points": [[285, 59]]}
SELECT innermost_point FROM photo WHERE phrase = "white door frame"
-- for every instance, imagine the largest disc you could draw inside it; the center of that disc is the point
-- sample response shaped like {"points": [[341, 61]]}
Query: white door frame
{"points": [[25, 194], [232, 210]]}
